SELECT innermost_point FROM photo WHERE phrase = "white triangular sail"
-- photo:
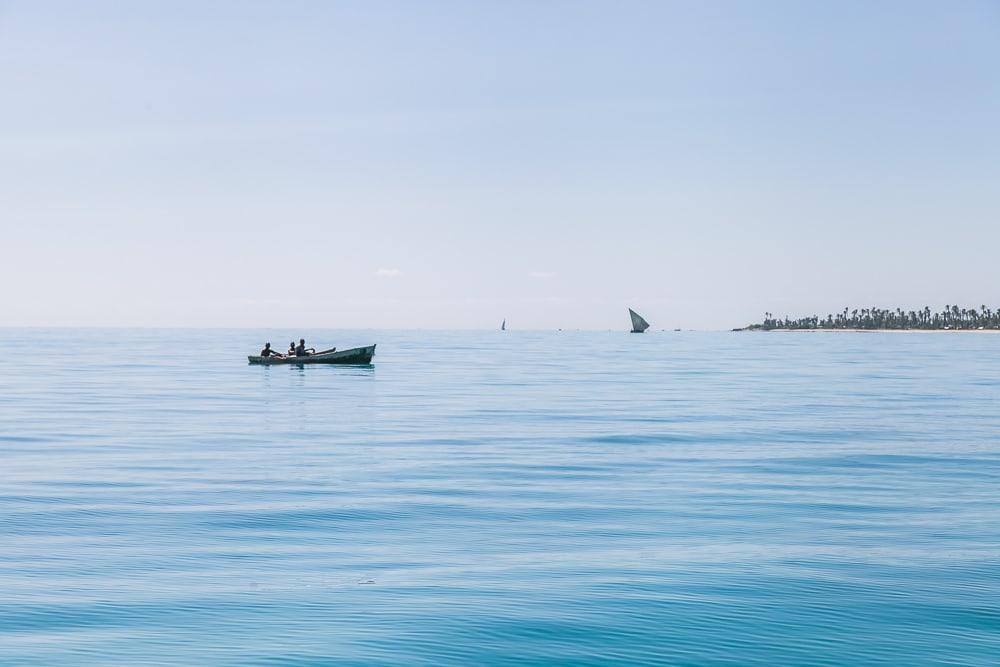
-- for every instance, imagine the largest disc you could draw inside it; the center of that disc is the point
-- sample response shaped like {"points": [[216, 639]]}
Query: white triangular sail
{"points": [[638, 324]]}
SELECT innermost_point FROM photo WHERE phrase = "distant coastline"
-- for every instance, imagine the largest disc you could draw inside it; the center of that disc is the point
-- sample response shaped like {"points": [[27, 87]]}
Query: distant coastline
{"points": [[899, 331], [952, 318]]}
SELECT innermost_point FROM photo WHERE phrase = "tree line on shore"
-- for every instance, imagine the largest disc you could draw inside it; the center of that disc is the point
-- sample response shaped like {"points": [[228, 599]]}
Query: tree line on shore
{"points": [[952, 317]]}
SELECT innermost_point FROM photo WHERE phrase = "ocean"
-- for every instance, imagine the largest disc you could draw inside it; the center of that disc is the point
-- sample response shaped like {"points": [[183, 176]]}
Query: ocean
{"points": [[489, 498]]}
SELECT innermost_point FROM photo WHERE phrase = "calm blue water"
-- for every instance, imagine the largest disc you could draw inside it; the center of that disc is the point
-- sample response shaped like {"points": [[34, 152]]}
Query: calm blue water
{"points": [[488, 498]]}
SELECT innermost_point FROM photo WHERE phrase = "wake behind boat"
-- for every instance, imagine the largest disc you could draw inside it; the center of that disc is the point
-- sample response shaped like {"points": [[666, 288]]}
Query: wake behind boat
{"points": [[353, 356]]}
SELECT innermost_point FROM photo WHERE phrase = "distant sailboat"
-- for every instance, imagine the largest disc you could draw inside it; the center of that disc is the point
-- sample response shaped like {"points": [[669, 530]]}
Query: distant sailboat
{"points": [[638, 324], [503, 325]]}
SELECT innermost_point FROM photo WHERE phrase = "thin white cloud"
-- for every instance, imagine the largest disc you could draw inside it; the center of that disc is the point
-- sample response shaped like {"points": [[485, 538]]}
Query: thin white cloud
{"points": [[541, 275], [388, 273]]}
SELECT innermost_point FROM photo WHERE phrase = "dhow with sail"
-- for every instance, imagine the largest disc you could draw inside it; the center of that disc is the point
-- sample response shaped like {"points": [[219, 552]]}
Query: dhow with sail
{"points": [[638, 324]]}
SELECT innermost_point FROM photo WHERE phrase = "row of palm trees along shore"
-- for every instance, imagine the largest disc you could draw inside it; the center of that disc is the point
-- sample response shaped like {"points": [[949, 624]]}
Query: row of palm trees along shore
{"points": [[952, 317]]}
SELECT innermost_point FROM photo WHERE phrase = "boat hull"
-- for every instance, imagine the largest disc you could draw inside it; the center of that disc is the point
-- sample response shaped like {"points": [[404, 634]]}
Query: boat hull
{"points": [[355, 356]]}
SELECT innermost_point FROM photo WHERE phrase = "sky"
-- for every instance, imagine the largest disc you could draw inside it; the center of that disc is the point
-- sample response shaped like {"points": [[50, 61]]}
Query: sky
{"points": [[451, 164]]}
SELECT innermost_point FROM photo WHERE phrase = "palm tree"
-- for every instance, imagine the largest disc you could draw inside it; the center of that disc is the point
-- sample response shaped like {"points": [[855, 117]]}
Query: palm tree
{"points": [[951, 317]]}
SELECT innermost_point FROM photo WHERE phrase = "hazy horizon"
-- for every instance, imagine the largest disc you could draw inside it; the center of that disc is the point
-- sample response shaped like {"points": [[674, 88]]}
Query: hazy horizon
{"points": [[446, 166]]}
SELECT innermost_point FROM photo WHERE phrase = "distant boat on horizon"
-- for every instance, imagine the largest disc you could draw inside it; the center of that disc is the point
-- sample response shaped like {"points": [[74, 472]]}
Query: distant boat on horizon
{"points": [[503, 325], [638, 324]]}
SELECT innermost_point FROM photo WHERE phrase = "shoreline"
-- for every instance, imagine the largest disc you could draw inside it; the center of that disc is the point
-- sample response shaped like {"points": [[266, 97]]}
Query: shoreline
{"points": [[894, 331]]}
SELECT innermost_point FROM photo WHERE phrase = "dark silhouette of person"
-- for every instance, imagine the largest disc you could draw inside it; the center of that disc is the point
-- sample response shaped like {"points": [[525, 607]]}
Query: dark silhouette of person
{"points": [[302, 351]]}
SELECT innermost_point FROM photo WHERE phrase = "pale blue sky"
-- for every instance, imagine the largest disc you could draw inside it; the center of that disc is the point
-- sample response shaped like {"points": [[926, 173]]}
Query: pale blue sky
{"points": [[446, 164]]}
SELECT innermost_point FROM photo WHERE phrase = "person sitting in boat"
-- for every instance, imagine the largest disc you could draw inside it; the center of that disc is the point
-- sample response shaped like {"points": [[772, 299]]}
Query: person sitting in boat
{"points": [[267, 351], [302, 351], [291, 349]]}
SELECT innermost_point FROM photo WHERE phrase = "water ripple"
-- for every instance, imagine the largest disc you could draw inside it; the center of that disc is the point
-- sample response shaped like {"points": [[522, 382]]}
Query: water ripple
{"points": [[478, 498]]}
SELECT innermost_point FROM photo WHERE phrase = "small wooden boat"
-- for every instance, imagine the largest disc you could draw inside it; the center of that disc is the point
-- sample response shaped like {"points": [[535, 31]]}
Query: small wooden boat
{"points": [[354, 356], [638, 324]]}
